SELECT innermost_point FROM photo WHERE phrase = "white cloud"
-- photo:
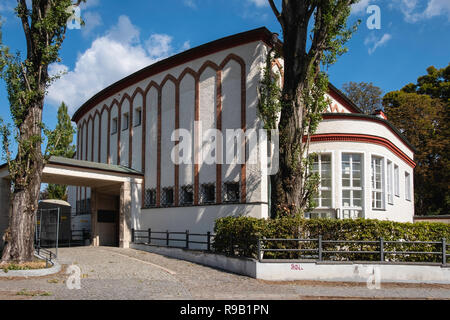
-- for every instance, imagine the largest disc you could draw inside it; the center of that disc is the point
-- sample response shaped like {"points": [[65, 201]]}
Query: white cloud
{"points": [[159, 45], [375, 43], [91, 20], [89, 4], [360, 7], [413, 11], [110, 58], [259, 3], [186, 46], [437, 7]]}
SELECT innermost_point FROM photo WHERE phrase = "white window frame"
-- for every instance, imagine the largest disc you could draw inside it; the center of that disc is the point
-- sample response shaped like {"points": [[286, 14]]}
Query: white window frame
{"points": [[390, 181], [407, 186], [321, 188], [352, 211], [373, 181], [396, 180]]}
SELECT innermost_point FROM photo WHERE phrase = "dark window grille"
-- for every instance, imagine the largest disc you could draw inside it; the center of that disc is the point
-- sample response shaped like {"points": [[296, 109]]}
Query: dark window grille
{"points": [[150, 198], [126, 121], [114, 126], [138, 117], [186, 195], [231, 192], [167, 197], [208, 193]]}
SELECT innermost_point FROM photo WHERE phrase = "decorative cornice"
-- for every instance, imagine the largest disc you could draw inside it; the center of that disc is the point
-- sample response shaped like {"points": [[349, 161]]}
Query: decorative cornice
{"points": [[365, 139]]}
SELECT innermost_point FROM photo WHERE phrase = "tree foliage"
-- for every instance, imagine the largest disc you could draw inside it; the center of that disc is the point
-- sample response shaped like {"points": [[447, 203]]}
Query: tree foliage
{"points": [[365, 95], [27, 80], [59, 143], [314, 34], [421, 112]]}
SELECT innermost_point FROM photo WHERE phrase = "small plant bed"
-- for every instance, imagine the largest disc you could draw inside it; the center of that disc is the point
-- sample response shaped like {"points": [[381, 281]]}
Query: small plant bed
{"points": [[26, 293], [33, 265]]}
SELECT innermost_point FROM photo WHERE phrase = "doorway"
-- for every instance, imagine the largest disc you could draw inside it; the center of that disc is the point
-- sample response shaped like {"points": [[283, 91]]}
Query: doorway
{"points": [[108, 228]]}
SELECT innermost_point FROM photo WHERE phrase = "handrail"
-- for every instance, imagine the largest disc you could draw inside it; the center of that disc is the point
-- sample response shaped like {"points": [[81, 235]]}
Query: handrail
{"points": [[381, 243], [45, 254], [137, 234]]}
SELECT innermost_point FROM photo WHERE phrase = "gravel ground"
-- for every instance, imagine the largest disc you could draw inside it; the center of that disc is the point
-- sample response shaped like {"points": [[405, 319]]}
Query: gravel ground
{"points": [[113, 273]]}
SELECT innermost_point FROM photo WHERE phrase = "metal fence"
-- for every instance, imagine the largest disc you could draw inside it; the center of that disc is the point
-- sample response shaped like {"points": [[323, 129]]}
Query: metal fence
{"points": [[315, 249], [318, 250], [170, 239], [45, 254], [48, 229]]}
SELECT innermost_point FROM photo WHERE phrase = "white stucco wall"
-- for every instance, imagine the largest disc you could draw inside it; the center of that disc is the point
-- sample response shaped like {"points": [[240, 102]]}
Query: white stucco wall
{"points": [[253, 55]]}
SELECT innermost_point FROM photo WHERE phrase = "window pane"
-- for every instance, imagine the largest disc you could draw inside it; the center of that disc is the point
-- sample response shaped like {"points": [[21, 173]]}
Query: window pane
{"points": [[346, 182], [325, 158], [326, 203], [326, 183]]}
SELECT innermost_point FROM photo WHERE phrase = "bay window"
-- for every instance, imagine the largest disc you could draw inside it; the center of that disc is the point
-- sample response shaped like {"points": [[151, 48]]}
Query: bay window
{"points": [[352, 185], [377, 183], [322, 166], [390, 187]]}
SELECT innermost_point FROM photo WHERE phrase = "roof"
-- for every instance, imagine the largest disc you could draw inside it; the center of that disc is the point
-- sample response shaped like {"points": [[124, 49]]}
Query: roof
{"points": [[93, 165], [260, 34], [57, 202], [363, 116]]}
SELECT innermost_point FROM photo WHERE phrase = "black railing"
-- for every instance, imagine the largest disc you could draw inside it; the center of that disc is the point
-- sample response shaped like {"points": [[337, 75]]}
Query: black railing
{"points": [[163, 238], [45, 254], [316, 249]]}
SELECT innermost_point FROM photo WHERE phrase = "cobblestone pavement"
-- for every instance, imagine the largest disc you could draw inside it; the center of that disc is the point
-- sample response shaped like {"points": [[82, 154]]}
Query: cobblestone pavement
{"points": [[113, 273]]}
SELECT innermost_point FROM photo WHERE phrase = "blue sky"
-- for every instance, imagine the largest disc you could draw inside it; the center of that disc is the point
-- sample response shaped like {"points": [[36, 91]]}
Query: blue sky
{"points": [[121, 37]]}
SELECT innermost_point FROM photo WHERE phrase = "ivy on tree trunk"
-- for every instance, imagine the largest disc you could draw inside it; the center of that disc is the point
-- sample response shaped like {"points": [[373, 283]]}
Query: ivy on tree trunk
{"points": [[303, 99]]}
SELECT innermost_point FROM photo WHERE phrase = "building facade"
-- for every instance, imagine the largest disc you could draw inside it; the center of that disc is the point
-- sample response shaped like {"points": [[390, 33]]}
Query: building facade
{"points": [[366, 165]]}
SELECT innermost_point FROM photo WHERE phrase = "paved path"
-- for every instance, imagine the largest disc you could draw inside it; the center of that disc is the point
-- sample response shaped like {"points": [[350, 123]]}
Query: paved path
{"points": [[113, 273]]}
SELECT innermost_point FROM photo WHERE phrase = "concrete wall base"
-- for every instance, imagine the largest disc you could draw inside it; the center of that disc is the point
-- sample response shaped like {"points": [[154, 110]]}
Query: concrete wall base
{"points": [[312, 271]]}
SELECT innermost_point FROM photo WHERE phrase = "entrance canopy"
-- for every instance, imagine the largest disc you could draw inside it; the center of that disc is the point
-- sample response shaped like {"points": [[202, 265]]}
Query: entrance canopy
{"points": [[105, 178]]}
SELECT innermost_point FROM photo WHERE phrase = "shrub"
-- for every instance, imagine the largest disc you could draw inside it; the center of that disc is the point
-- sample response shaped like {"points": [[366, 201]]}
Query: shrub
{"points": [[238, 237]]}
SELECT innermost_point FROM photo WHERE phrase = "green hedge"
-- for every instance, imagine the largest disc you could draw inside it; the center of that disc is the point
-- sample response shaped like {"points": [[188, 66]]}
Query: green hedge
{"points": [[237, 236]]}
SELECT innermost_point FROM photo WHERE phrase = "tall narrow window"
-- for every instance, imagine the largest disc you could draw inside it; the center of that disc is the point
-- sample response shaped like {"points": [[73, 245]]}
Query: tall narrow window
{"points": [[126, 121], [396, 181], [407, 186], [137, 117], [377, 183], [167, 197], [114, 126], [208, 193], [322, 166], [352, 186], [390, 187]]}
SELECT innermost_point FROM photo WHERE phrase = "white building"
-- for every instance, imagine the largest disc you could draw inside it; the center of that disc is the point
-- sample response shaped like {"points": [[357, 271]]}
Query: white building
{"points": [[365, 163]]}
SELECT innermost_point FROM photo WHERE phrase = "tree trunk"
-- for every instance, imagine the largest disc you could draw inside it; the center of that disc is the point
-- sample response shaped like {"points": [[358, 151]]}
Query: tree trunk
{"points": [[19, 246], [288, 182]]}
